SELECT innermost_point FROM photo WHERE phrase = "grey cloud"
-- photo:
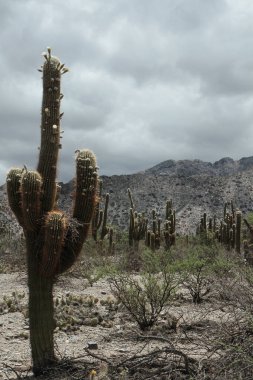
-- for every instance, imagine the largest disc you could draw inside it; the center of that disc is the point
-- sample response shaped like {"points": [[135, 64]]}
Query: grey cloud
{"points": [[148, 81], [155, 54]]}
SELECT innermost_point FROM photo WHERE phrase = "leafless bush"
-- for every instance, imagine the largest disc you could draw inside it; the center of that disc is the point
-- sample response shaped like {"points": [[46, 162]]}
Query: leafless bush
{"points": [[144, 296], [230, 345]]}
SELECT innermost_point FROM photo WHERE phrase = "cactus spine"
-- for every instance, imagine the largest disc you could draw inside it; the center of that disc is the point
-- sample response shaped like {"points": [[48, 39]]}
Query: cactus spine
{"points": [[53, 240]]}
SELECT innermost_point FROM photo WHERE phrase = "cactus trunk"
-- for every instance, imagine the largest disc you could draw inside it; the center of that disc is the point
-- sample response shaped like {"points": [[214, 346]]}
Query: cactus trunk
{"points": [[40, 314]]}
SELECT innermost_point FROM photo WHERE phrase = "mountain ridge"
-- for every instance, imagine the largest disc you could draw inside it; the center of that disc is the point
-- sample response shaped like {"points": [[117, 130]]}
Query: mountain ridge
{"points": [[224, 166]]}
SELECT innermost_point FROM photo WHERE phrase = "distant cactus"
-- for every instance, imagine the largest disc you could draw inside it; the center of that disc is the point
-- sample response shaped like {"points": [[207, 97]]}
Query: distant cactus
{"points": [[228, 232], [170, 225], [137, 225], [111, 249], [98, 214], [99, 219], [100, 229], [53, 240], [104, 228], [162, 233]]}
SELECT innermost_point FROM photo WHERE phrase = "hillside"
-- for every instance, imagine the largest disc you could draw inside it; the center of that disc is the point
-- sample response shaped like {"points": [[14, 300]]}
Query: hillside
{"points": [[193, 185]]}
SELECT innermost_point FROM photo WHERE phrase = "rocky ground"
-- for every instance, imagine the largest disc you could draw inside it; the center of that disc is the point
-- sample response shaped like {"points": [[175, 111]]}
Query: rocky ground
{"points": [[14, 342], [114, 338], [185, 336]]}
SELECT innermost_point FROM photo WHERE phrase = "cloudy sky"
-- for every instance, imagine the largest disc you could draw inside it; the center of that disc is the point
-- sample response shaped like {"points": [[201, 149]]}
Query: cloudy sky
{"points": [[149, 80]]}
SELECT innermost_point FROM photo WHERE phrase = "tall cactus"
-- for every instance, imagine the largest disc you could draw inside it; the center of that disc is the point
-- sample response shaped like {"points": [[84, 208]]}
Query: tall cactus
{"points": [[53, 240], [170, 225]]}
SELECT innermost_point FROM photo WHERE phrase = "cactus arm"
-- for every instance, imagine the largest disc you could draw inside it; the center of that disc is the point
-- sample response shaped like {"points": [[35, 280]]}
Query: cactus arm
{"points": [[85, 202], [50, 129], [86, 185], [31, 183], [13, 182], [130, 198], [100, 217], [55, 229]]}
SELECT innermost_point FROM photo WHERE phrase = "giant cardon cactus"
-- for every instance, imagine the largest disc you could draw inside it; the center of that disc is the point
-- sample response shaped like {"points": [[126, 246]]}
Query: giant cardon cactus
{"points": [[53, 239]]}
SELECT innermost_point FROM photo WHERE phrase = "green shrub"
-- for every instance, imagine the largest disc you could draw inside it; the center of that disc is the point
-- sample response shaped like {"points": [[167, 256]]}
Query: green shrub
{"points": [[199, 268], [145, 295]]}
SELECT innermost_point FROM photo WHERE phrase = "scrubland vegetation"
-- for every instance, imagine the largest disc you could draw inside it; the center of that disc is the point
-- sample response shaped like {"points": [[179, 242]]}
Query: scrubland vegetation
{"points": [[184, 313]]}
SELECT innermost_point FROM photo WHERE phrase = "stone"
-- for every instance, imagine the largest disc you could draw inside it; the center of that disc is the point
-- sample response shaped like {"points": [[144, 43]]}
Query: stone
{"points": [[92, 345]]}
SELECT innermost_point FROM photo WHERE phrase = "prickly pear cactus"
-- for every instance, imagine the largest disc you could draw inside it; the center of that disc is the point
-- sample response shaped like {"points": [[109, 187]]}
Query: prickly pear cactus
{"points": [[53, 239]]}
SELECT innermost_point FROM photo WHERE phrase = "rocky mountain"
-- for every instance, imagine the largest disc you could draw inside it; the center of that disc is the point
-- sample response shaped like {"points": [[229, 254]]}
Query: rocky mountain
{"points": [[193, 185]]}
